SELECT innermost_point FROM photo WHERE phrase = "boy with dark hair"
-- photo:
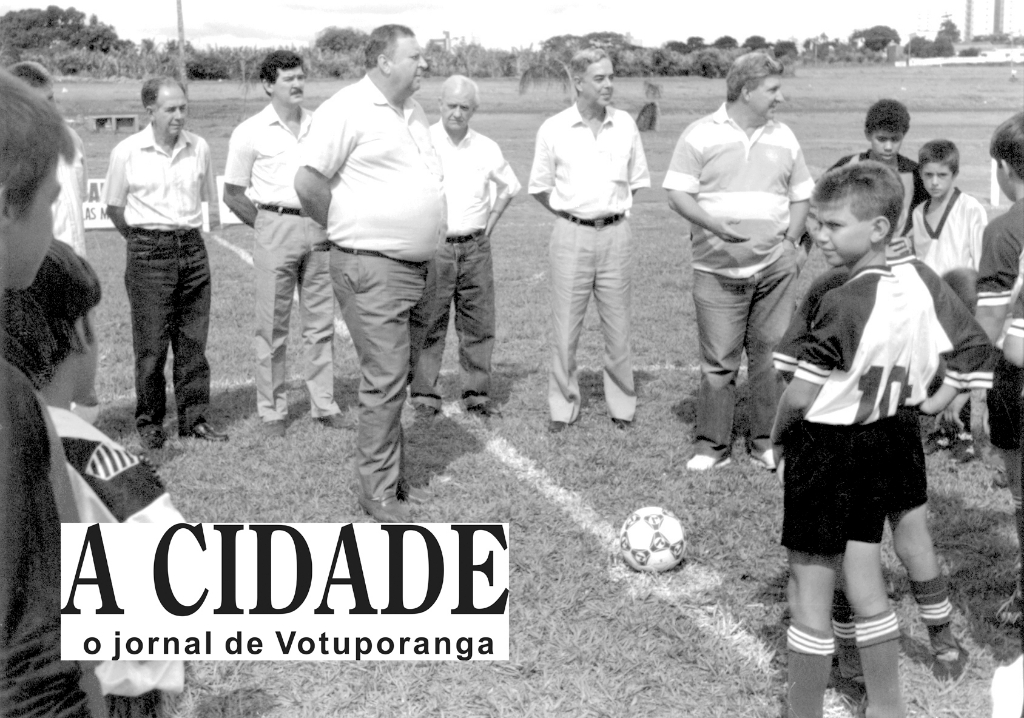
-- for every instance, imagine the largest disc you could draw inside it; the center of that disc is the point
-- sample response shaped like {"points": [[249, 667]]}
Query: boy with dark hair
{"points": [[847, 427], [35, 494], [49, 333], [886, 124], [999, 283]]}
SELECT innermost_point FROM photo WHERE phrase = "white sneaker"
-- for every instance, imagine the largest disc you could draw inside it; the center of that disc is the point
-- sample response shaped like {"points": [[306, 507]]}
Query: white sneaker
{"points": [[767, 459], [703, 462]]}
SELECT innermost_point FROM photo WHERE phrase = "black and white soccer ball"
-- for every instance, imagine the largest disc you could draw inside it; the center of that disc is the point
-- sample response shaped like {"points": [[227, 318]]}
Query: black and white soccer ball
{"points": [[652, 539]]}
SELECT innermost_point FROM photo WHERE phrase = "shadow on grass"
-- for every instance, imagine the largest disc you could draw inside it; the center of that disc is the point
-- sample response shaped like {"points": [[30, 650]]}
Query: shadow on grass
{"points": [[686, 411]]}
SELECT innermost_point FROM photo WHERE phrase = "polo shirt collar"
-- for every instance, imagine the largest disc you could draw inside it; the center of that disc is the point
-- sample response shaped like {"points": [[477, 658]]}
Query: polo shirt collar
{"points": [[180, 144], [268, 115], [377, 97], [721, 116], [575, 118]]}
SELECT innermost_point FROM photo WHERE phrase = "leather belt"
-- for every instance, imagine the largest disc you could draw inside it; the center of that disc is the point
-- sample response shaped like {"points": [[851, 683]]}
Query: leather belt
{"points": [[280, 210], [324, 246], [184, 232], [463, 238], [372, 253], [595, 223]]}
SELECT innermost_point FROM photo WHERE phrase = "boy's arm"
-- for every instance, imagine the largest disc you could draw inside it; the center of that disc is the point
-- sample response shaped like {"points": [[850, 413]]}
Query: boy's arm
{"points": [[793, 406], [939, 400]]}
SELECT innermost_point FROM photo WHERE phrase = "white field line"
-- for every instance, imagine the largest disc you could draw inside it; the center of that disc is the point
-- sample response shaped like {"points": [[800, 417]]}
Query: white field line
{"points": [[340, 330], [680, 592]]}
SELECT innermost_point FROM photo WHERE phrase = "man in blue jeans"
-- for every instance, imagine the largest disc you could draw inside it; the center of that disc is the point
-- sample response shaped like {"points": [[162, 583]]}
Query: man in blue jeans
{"points": [[738, 176], [462, 270], [156, 183]]}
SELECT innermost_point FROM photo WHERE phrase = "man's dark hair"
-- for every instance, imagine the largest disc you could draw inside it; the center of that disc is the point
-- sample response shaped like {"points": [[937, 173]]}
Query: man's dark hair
{"points": [[39, 323], [887, 116], [382, 41], [1008, 144], [941, 152], [151, 89], [871, 189], [276, 61], [32, 137]]}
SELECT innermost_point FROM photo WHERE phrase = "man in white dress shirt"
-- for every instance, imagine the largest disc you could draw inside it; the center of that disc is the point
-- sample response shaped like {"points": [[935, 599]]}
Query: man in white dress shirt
{"points": [[463, 271], [588, 164], [290, 249]]}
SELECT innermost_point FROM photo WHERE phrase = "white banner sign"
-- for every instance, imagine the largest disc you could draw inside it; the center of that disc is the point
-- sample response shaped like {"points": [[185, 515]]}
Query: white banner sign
{"points": [[95, 210], [275, 592]]}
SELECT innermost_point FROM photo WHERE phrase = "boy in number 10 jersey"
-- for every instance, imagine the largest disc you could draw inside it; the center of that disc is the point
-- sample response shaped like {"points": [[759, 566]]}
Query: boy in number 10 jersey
{"points": [[862, 358]]}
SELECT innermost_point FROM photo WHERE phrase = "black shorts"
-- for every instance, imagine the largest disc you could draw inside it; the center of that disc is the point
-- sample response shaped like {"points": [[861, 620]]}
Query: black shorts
{"points": [[842, 482], [1004, 406]]}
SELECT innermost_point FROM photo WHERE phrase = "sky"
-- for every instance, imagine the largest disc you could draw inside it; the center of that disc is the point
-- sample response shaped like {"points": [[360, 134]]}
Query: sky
{"points": [[502, 24]]}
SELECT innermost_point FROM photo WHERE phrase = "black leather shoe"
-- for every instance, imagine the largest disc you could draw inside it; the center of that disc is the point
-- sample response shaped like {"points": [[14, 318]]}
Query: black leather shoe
{"points": [[557, 427], [334, 421], [622, 424], [204, 432], [485, 411], [386, 511], [153, 438], [414, 494]]}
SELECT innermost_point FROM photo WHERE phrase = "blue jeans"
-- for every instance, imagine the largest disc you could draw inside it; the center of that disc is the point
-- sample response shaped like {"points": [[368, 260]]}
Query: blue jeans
{"points": [[734, 315], [379, 298], [167, 276], [463, 273]]}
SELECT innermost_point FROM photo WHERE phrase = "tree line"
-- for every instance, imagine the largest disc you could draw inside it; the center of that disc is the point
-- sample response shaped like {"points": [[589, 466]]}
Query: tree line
{"points": [[71, 44]]}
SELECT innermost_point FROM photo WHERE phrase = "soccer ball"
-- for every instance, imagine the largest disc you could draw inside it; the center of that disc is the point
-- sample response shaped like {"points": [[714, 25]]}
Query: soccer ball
{"points": [[652, 539]]}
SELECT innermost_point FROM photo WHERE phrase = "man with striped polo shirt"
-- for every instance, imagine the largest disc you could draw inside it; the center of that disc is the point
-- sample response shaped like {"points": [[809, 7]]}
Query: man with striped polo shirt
{"points": [[587, 166], [369, 174], [291, 250], [738, 176], [156, 183]]}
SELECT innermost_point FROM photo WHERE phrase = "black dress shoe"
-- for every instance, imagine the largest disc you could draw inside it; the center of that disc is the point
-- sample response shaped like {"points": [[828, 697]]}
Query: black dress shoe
{"points": [[204, 432], [386, 511], [152, 438], [557, 427], [622, 424]]}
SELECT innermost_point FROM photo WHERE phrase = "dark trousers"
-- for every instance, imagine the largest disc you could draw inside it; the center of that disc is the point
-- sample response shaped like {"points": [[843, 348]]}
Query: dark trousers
{"points": [[167, 276]]}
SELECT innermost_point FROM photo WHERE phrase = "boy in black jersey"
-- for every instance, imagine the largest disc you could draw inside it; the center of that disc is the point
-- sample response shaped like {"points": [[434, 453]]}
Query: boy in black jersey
{"points": [[847, 429]]}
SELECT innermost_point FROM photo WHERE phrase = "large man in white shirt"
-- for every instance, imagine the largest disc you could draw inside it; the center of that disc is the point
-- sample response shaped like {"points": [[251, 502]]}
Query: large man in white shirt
{"points": [[463, 272], [290, 249], [156, 183], [738, 176], [588, 164], [369, 174]]}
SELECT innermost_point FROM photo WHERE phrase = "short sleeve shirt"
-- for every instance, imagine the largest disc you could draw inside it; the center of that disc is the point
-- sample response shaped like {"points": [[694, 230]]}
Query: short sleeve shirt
{"points": [[873, 343], [385, 177], [1001, 249], [750, 179], [589, 176], [955, 241], [160, 190], [263, 156], [472, 169]]}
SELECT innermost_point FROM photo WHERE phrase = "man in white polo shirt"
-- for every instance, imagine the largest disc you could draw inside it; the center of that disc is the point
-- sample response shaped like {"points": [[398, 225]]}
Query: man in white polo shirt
{"points": [[463, 272], [587, 166], [369, 174], [291, 250], [156, 183], [738, 176]]}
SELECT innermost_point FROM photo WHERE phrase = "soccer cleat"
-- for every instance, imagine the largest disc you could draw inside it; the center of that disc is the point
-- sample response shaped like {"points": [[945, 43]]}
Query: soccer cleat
{"points": [[950, 661], [703, 462], [962, 447], [936, 441]]}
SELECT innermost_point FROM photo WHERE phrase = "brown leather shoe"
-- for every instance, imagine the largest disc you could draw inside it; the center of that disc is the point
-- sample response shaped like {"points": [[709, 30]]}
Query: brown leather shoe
{"points": [[334, 421], [386, 511]]}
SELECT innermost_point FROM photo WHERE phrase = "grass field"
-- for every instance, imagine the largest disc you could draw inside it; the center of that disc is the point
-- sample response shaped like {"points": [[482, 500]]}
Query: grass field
{"points": [[589, 638]]}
